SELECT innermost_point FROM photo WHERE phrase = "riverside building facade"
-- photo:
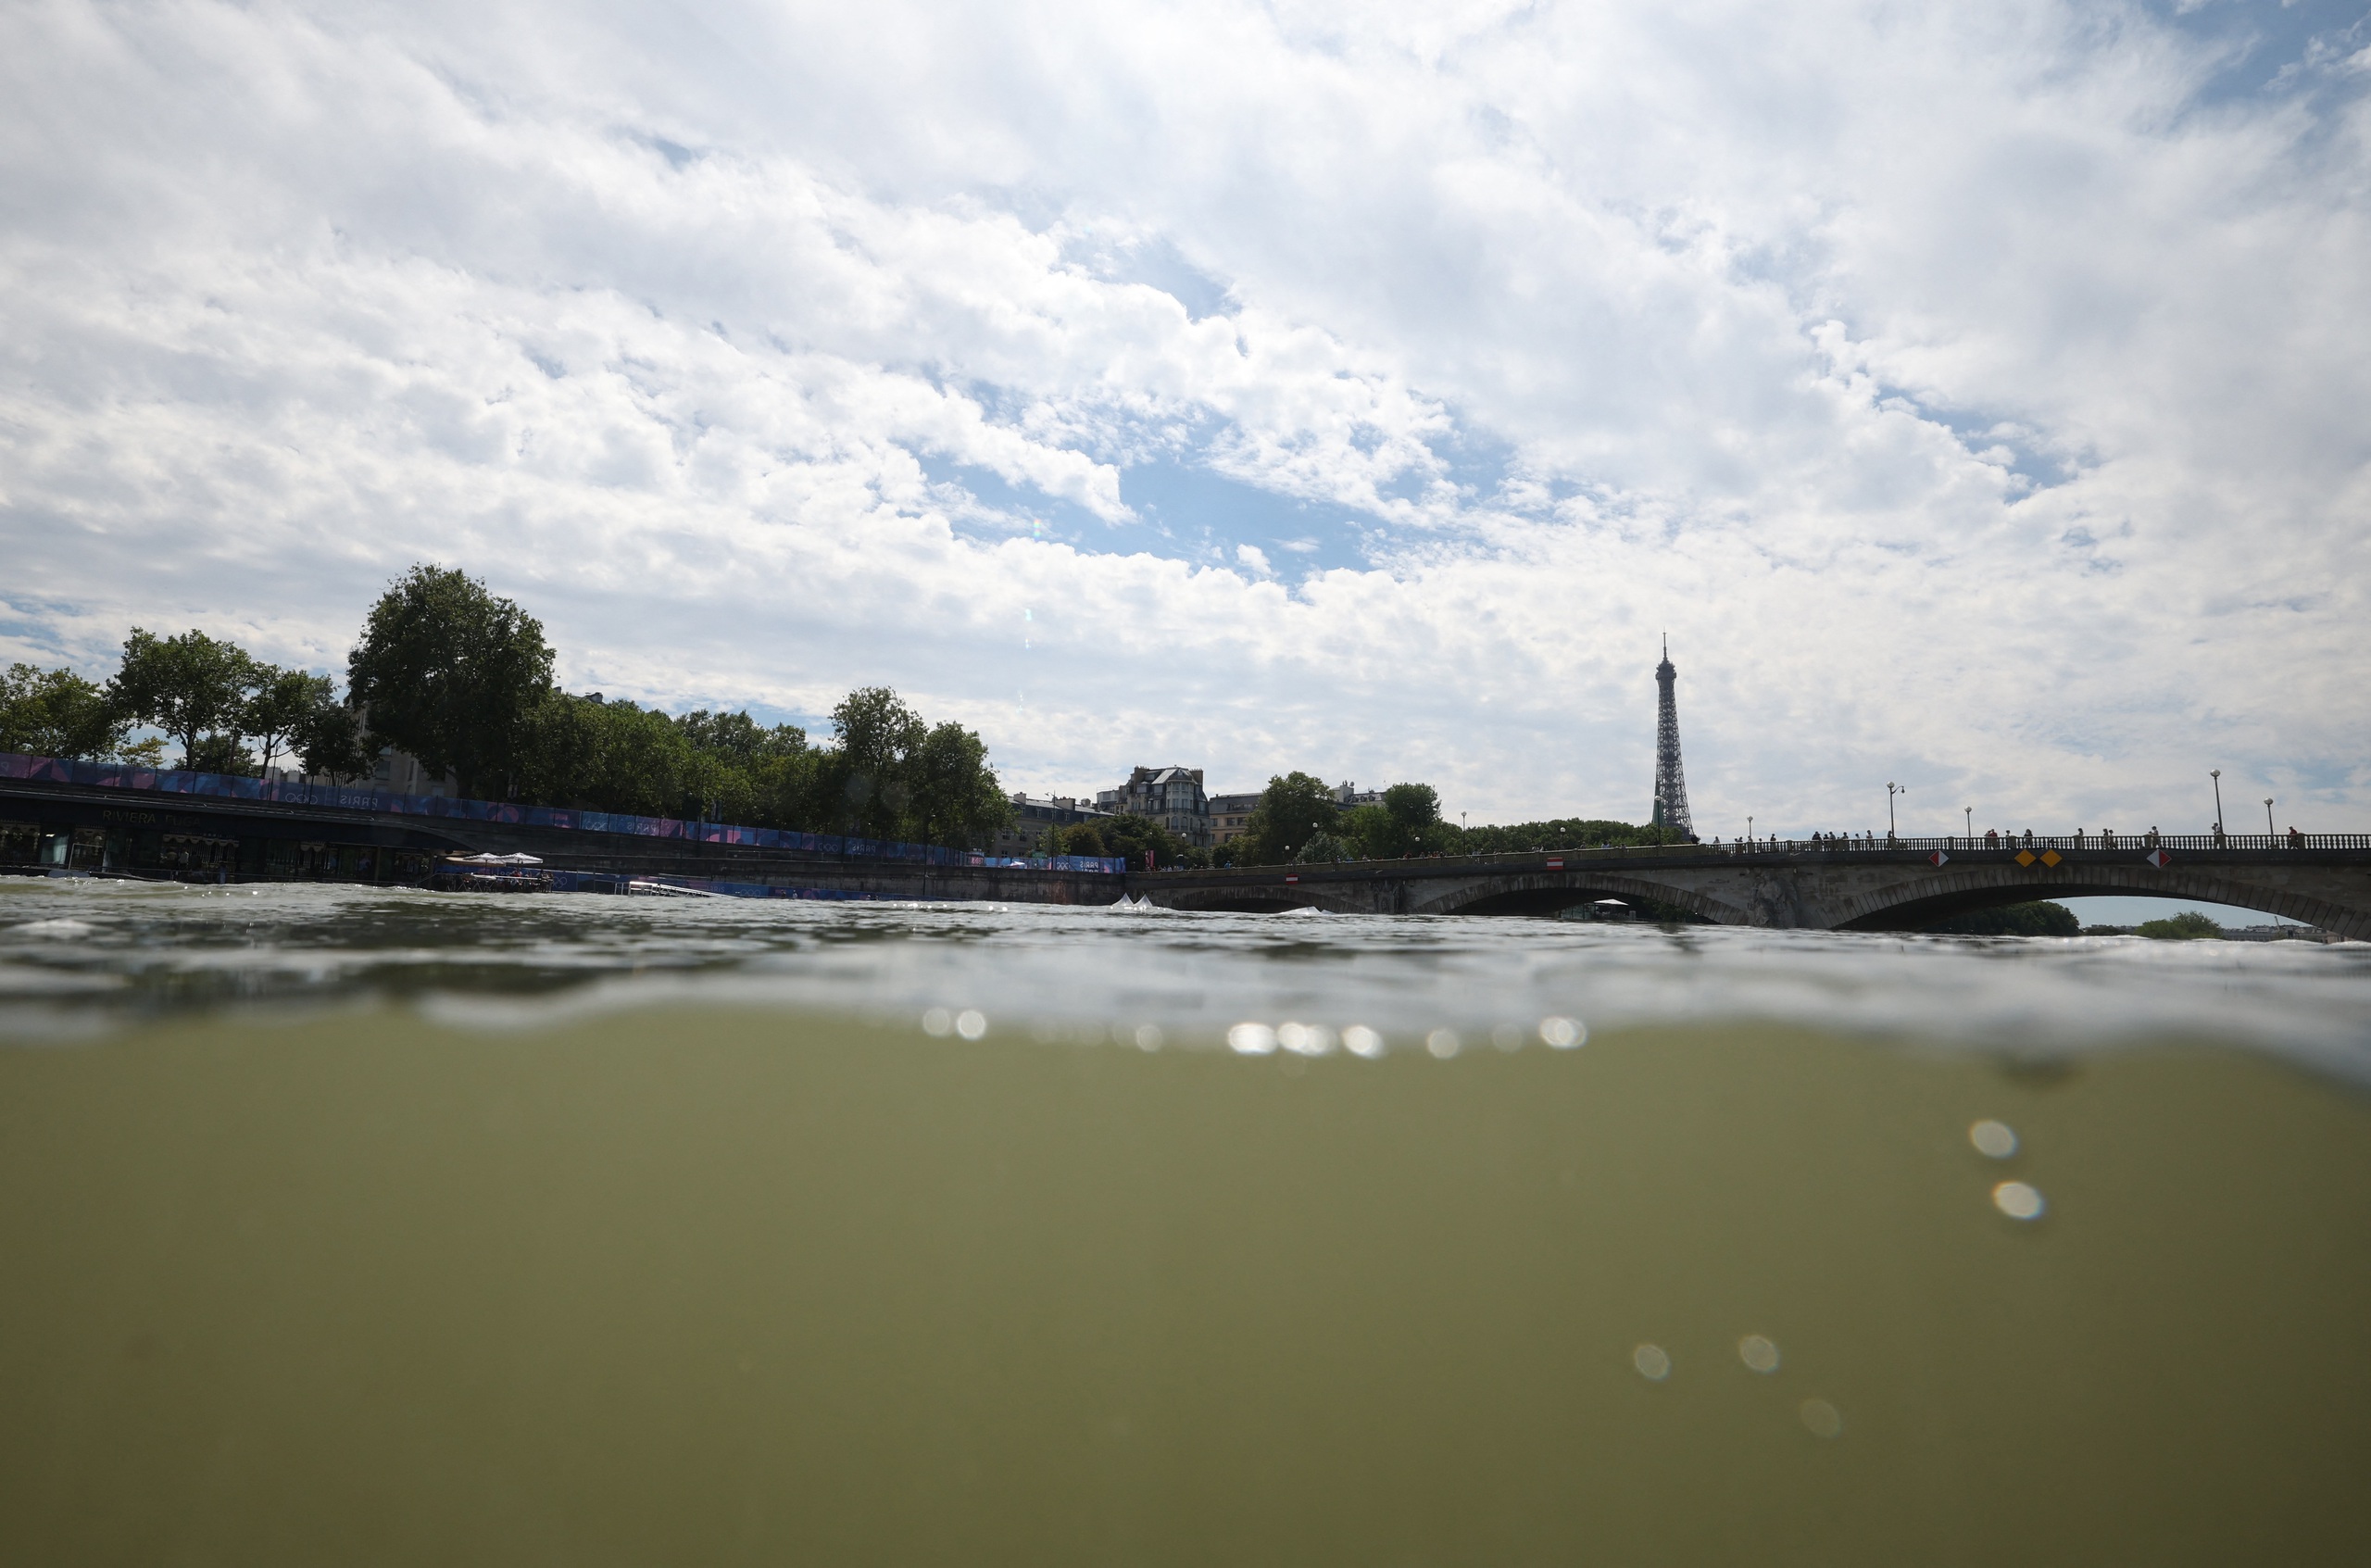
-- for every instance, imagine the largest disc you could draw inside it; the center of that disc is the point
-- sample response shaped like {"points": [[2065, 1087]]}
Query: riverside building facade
{"points": [[1172, 796], [1034, 818]]}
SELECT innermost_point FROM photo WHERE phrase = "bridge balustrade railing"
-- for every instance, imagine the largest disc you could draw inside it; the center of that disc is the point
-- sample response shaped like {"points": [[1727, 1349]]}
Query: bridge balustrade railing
{"points": [[2083, 841], [2137, 843]]}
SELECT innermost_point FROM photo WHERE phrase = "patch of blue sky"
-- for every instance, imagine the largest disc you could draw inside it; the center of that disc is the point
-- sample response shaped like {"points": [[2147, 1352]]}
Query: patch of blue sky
{"points": [[1152, 260], [1483, 465], [1215, 514], [994, 508], [1184, 511], [2267, 45], [1986, 435], [31, 626]]}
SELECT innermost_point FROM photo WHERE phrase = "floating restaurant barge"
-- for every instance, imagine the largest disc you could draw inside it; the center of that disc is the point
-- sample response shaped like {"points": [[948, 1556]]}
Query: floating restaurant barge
{"points": [[59, 818]]}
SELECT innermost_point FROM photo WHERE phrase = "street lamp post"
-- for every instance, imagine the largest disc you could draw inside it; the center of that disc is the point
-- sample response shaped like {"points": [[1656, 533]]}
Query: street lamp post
{"points": [[2217, 774], [2268, 831], [1970, 812], [1891, 790]]}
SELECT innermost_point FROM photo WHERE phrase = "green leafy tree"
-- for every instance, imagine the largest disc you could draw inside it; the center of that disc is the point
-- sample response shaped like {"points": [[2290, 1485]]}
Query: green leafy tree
{"points": [[1079, 838], [741, 771], [1132, 837], [1574, 833], [2039, 919], [1324, 848], [220, 753], [190, 686], [953, 796], [606, 756], [330, 743], [1415, 813], [57, 713], [2188, 926], [877, 732], [279, 704], [1293, 808], [451, 673], [1367, 833]]}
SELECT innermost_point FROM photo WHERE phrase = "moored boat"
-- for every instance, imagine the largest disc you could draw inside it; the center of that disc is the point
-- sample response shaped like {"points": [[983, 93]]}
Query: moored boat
{"points": [[489, 873]]}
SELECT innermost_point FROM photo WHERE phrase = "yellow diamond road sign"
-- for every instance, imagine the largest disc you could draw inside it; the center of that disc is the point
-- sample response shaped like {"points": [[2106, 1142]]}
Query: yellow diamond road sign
{"points": [[2051, 856], [2024, 857]]}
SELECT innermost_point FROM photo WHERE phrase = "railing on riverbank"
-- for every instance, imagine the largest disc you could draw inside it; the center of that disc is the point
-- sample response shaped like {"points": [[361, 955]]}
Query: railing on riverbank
{"points": [[233, 786]]}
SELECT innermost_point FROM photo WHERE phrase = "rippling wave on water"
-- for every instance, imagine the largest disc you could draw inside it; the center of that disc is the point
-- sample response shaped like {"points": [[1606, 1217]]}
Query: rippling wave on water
{"points": [[75, 956]]}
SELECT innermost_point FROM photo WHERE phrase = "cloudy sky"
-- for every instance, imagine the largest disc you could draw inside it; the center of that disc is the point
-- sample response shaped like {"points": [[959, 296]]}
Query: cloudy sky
{"points": [[1979, 394]]}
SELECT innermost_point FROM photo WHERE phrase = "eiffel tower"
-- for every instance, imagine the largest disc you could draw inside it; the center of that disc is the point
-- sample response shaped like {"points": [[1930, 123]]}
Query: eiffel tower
{"points": [[1671, 785]]}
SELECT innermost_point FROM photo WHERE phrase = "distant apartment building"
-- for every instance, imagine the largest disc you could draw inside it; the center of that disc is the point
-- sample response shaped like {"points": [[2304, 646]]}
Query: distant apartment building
{"points": [[1231, 816], [1172, 796], [399, 772], [1033, 819]]}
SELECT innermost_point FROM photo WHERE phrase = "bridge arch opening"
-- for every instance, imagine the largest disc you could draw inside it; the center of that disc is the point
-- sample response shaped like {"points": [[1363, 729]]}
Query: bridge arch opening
{"points": [[1919, 914]]}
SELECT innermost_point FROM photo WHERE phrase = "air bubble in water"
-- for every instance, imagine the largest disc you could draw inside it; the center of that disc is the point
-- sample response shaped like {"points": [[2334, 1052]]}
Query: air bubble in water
{"points": [[971, 1023], [1252, 1039], [2017, 1201], [1443, 1042], [1305, 1039], [938, 1021], [1150, 1037], [1563, 1032], [1359, 1040], [1994, 1140], [1653, 1363], [1759, 1354], [1820, 1418]]}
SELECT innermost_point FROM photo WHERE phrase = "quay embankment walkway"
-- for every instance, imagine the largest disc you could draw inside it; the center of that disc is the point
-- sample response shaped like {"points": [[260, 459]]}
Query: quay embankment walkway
{"points": [[68, 818]]}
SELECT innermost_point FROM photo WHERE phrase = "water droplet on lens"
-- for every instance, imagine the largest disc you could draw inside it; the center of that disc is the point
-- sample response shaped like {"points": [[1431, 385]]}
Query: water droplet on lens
{"points": [[1363, 1041], [1758, 1353], [1820, 1418], [971, 1023], [1150, 1037], [1994, 1140], [1563, 1032], [1653, 1361], [2017, 1201], [1506, 1037], [938, 1021], [1443, 1042], [1252, 1039]]}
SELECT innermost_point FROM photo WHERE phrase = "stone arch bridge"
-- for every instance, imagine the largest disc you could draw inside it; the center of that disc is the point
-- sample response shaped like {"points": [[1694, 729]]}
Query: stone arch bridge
{"points": [[1901, 884]]}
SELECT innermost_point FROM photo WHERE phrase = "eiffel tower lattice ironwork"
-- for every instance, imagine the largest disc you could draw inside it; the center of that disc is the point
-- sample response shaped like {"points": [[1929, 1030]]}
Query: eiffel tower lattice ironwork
{"points": [[1671, 785]]}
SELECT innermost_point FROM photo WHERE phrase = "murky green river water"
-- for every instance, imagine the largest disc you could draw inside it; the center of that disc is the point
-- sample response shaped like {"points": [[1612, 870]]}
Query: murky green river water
{"points": [[349, 1226]]}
